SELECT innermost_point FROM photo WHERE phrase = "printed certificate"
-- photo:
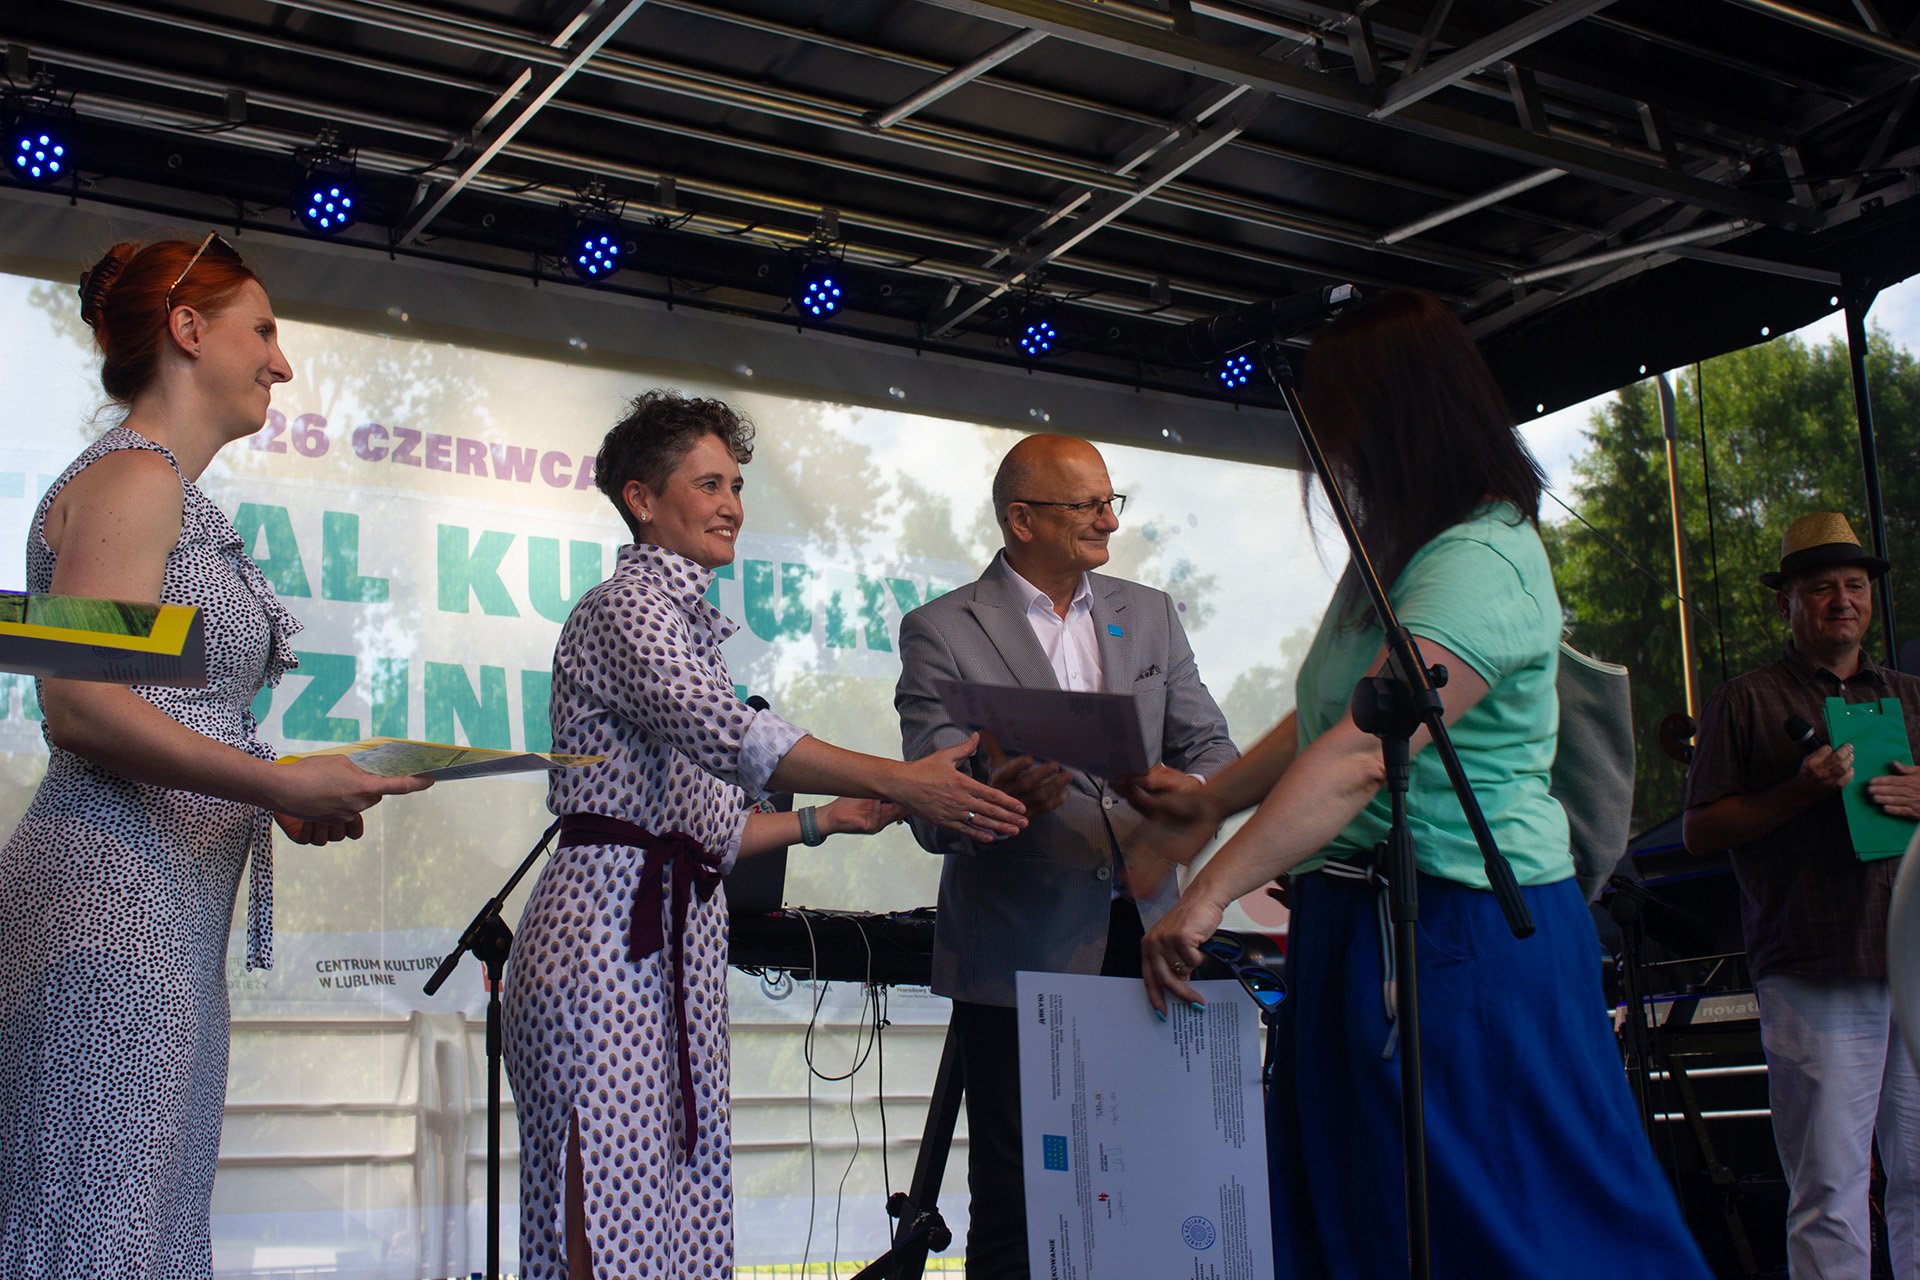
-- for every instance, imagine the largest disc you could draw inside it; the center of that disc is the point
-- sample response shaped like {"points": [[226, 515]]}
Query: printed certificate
{"points": [[1146, 1149]]}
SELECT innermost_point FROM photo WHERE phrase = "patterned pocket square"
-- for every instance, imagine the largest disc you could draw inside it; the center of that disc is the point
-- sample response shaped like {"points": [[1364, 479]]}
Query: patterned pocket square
{"points": [[1153, 670]]}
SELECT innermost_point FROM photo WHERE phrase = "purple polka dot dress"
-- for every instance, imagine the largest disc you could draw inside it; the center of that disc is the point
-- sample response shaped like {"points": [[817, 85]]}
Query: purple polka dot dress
{"points": [[591, 1034], [116, 898]]}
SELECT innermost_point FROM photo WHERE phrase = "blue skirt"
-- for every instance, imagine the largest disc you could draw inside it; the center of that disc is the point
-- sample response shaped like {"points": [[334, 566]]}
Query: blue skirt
{"points": [[1536, 1163]]}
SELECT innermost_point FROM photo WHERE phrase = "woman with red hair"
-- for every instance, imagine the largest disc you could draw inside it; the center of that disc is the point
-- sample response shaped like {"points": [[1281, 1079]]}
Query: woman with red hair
{"points": [[117, 888]]}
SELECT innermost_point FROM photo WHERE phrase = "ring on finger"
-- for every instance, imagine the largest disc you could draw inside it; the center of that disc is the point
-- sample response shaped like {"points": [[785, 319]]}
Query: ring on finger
{"points": [[1178, 966], [969, 817]]}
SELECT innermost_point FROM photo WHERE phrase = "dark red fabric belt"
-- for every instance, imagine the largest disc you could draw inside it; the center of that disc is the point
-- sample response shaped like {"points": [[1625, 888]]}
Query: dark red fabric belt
{"points": [[694, 869]]}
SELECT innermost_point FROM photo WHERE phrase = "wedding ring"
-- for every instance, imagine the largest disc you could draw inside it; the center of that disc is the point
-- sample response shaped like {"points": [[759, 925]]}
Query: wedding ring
{"points": [[969, 817], [1178, 966]]}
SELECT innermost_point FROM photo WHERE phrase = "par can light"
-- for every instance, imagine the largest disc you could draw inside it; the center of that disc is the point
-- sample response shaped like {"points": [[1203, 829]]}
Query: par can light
{"points": [[328, 208], [38, 152], [818, 291]]}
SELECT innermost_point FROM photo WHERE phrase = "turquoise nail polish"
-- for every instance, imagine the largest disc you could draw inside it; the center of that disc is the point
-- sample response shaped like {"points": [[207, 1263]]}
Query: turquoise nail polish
{"points": [[1159, 1015], [1196, 1006]]}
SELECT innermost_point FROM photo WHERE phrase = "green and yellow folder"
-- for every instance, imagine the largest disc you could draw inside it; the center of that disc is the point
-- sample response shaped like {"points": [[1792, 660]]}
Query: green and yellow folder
{"points": [[115, 641]]}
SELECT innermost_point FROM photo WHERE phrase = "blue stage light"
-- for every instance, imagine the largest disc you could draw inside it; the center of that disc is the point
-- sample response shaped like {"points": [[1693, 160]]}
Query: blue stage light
{"points": [[818, 291], [39, 153], [328, 207], [595, 253], [1037, 336], [1236, 371]]}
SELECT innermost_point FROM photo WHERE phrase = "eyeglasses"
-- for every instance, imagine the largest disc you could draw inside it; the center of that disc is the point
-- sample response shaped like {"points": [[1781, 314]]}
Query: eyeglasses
{"points": [[213, 237], [1249, 962], [1095, 507]]}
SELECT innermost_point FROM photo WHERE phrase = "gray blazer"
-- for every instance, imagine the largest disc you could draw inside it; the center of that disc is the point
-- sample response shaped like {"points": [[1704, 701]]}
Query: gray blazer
{"points": [[1040, 900]]}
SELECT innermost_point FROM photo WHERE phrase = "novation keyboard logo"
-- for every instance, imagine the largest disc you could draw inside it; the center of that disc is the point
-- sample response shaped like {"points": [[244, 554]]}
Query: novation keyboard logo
{"points": [[1053, 1152]]}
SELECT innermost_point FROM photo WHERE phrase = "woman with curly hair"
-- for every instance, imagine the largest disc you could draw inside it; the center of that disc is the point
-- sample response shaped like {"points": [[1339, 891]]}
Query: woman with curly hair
{"points": [[616, 997]]}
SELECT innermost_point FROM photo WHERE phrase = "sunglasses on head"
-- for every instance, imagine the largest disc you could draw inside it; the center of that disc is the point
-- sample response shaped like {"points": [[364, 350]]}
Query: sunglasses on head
{"points": [[213, 238]]}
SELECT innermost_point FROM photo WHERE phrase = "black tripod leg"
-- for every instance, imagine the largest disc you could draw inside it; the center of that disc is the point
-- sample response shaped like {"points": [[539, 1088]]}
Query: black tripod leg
{"points": [[1724, 1180], [491, 946], [494, 1056], [921, 1227], [1639, 1034]]}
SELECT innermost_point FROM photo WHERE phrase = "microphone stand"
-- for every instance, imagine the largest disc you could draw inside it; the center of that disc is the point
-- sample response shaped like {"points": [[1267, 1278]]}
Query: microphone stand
{"points": [[489, 939], [1627, 905], [1392, 706]]}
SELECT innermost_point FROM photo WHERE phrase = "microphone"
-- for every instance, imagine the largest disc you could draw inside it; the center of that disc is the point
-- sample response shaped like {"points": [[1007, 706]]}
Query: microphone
{"points": [[1205, 341], [1804, 735], [773, 801], [1676, 736]]}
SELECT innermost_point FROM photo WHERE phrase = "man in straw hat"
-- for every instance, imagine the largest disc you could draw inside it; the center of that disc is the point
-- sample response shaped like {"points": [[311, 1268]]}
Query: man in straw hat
{"points": [[1814, 916]]}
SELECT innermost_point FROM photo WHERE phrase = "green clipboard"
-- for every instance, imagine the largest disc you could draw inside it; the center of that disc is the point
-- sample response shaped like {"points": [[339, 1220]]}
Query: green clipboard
{"points": [[1878, 734]]}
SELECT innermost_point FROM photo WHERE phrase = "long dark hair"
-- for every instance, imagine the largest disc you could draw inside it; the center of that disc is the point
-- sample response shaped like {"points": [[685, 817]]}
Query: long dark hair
{"points": [[1413, 424]]}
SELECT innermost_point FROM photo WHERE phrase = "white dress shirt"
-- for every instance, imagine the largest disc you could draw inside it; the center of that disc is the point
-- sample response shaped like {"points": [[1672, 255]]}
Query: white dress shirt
{"points": [[1069, 642]]}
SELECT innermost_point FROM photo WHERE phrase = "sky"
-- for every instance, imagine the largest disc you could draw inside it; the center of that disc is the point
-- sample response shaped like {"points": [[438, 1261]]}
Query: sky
{"points": [[1558, 438]]}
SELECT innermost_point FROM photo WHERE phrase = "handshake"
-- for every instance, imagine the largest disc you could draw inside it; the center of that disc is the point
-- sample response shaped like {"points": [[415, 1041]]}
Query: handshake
{"points": [[1180, 820]]}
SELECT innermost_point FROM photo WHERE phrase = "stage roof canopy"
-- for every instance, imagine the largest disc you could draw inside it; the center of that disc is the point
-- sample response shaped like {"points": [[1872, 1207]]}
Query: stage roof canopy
{"points": [[1599, 189]]}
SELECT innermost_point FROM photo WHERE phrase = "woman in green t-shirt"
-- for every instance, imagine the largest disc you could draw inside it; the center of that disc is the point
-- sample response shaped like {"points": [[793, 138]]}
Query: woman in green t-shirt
{"points": [[1535, 1157]]}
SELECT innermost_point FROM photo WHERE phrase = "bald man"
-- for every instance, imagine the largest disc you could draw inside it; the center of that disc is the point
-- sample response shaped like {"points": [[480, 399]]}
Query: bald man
{"points": [[1053, 899]]}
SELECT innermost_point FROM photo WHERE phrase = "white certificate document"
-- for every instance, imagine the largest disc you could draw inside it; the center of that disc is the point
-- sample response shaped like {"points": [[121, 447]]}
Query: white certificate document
{"points": [[1146, 1150]]}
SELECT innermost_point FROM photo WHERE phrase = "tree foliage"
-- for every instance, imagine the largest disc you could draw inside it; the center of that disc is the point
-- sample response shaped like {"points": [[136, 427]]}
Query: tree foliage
{"points": [[1781, 441]]}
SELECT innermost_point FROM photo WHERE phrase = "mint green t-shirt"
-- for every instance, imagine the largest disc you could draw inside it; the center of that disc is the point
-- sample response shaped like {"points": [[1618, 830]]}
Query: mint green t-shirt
{"points": [[1484, 590]]}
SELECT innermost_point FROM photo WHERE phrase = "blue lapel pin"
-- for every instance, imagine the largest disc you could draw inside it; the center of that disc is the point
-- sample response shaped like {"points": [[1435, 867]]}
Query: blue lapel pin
{"points": [[1113, 629]]}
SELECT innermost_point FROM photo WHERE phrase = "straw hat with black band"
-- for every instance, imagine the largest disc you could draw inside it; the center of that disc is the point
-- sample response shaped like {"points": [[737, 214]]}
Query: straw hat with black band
{"points": [[1820, 541]]}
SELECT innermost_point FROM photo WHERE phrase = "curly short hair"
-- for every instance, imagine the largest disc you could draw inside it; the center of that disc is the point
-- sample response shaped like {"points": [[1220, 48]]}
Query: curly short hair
{"points": [[657, 430]]}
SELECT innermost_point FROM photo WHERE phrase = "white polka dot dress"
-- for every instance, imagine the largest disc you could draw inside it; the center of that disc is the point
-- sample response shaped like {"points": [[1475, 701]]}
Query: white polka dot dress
{"points": [[116, 898], [591, 1034]]}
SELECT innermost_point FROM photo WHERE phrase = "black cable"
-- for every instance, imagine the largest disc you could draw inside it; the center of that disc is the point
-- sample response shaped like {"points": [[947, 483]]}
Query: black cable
{"points": [[853, 1104], [1713, 546], [880, 1025], [861, 1054], [840, 1192], [813, 1176], [520, 189]]}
